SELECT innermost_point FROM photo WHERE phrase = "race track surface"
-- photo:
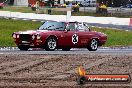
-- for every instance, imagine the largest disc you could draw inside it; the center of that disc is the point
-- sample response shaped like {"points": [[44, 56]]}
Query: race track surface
{"points": [[112, 51]]}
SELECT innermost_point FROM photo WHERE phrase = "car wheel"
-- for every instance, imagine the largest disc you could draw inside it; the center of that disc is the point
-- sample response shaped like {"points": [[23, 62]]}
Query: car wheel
{"points": [[51, 44], [66, 49], [93, 45], [24, 48]]}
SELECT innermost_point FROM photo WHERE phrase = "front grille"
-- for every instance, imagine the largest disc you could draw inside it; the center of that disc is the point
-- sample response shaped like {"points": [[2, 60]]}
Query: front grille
{"points": [[25, 37]]}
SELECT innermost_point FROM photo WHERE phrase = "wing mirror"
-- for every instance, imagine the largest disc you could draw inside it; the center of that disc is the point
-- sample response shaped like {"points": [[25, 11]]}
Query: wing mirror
{"points": [[67, 29]]}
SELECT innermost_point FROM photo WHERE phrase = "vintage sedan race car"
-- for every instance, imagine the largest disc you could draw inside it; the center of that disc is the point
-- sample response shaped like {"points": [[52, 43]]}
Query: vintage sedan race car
{"points": [[53, 35]]}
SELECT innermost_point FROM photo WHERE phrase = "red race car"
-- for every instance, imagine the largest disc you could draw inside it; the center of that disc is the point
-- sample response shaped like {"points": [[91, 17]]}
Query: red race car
{"points": [[60, 35]]}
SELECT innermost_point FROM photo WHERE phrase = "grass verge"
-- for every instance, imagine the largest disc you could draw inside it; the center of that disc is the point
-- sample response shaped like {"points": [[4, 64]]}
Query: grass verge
{"points": [[17, 9], [116, 37], [7, 27]]}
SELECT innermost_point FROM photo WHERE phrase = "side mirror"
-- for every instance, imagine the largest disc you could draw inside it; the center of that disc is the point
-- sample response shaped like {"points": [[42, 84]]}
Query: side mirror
{"points": [[66, 30]]}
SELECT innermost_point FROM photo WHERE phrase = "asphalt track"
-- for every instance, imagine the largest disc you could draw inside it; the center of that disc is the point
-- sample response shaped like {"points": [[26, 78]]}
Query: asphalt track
{"points": [[111, 51]]}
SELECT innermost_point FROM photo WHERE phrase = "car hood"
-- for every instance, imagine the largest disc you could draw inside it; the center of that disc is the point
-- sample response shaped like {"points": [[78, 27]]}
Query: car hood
{"points": [[32, 32], [101, 33]]}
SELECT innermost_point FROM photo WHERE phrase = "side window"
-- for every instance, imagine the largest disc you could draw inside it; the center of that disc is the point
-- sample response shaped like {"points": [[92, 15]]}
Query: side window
{"points": [[83, 27], [71, 26], [86, 27]]}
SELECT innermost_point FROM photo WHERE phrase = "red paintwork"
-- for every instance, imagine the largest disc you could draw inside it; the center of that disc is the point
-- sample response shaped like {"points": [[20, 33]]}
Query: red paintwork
{"points": [[64, 38]]}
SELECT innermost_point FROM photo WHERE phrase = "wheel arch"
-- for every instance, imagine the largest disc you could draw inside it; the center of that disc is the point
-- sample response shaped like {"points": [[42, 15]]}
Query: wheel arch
{"points": [[51, 36]]}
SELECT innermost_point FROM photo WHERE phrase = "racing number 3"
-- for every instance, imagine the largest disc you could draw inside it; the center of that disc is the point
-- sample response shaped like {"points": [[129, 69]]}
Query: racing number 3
{"points": [[74, 39]]}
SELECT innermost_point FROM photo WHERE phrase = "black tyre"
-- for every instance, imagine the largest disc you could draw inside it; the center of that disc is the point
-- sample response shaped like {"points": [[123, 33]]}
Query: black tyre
{"points": [[81, 80], [66, 49], [23, 48], [93, 46], [51, 44]]}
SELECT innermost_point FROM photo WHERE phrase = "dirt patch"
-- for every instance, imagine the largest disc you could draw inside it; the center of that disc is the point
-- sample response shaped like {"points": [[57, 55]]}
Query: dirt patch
{"points": [[59, 70]]}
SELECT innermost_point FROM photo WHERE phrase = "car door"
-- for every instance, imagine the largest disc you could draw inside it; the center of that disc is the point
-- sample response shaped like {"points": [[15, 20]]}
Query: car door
{"points": [[70, 38], [84, 35]]}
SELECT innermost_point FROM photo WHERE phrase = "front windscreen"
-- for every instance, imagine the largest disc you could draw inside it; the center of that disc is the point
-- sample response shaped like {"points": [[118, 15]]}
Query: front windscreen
{"points": [[53, 26]]}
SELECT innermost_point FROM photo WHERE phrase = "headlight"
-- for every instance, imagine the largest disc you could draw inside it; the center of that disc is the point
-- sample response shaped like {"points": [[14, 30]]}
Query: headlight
{"points": [[14, 35], [38, 36], [33, 37], [17, 36]]}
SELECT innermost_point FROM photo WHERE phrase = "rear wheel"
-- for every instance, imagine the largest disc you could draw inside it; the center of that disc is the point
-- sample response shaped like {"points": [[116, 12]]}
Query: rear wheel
{"points": [[23, 47], [66, 49], [93, 46], [51, 44]]}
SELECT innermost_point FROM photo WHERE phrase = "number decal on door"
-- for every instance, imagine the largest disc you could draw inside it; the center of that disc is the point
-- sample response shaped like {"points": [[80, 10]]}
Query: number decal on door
{"points": [[74, 39]]}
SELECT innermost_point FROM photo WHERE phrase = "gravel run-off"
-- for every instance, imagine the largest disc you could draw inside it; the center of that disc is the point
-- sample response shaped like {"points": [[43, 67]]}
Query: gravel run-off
{"points": [[60, 70]]}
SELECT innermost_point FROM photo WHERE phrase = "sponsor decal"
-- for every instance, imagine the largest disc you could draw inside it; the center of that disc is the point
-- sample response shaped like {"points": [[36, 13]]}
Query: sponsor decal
{"points": [[99, 78], [75, 39]]}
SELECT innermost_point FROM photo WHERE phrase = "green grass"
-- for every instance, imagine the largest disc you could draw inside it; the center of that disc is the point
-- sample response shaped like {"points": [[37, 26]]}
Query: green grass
{"points": [[116, 37], [17, 9], [7, 27]]}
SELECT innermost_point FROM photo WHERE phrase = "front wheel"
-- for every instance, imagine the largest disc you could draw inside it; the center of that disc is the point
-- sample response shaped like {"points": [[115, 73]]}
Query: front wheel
{"points": [[93, 46], [23, 47], [51, 44]]}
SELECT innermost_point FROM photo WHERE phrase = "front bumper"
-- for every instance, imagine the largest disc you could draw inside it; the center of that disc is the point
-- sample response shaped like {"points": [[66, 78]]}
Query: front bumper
{"points": [[35, 43]]}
